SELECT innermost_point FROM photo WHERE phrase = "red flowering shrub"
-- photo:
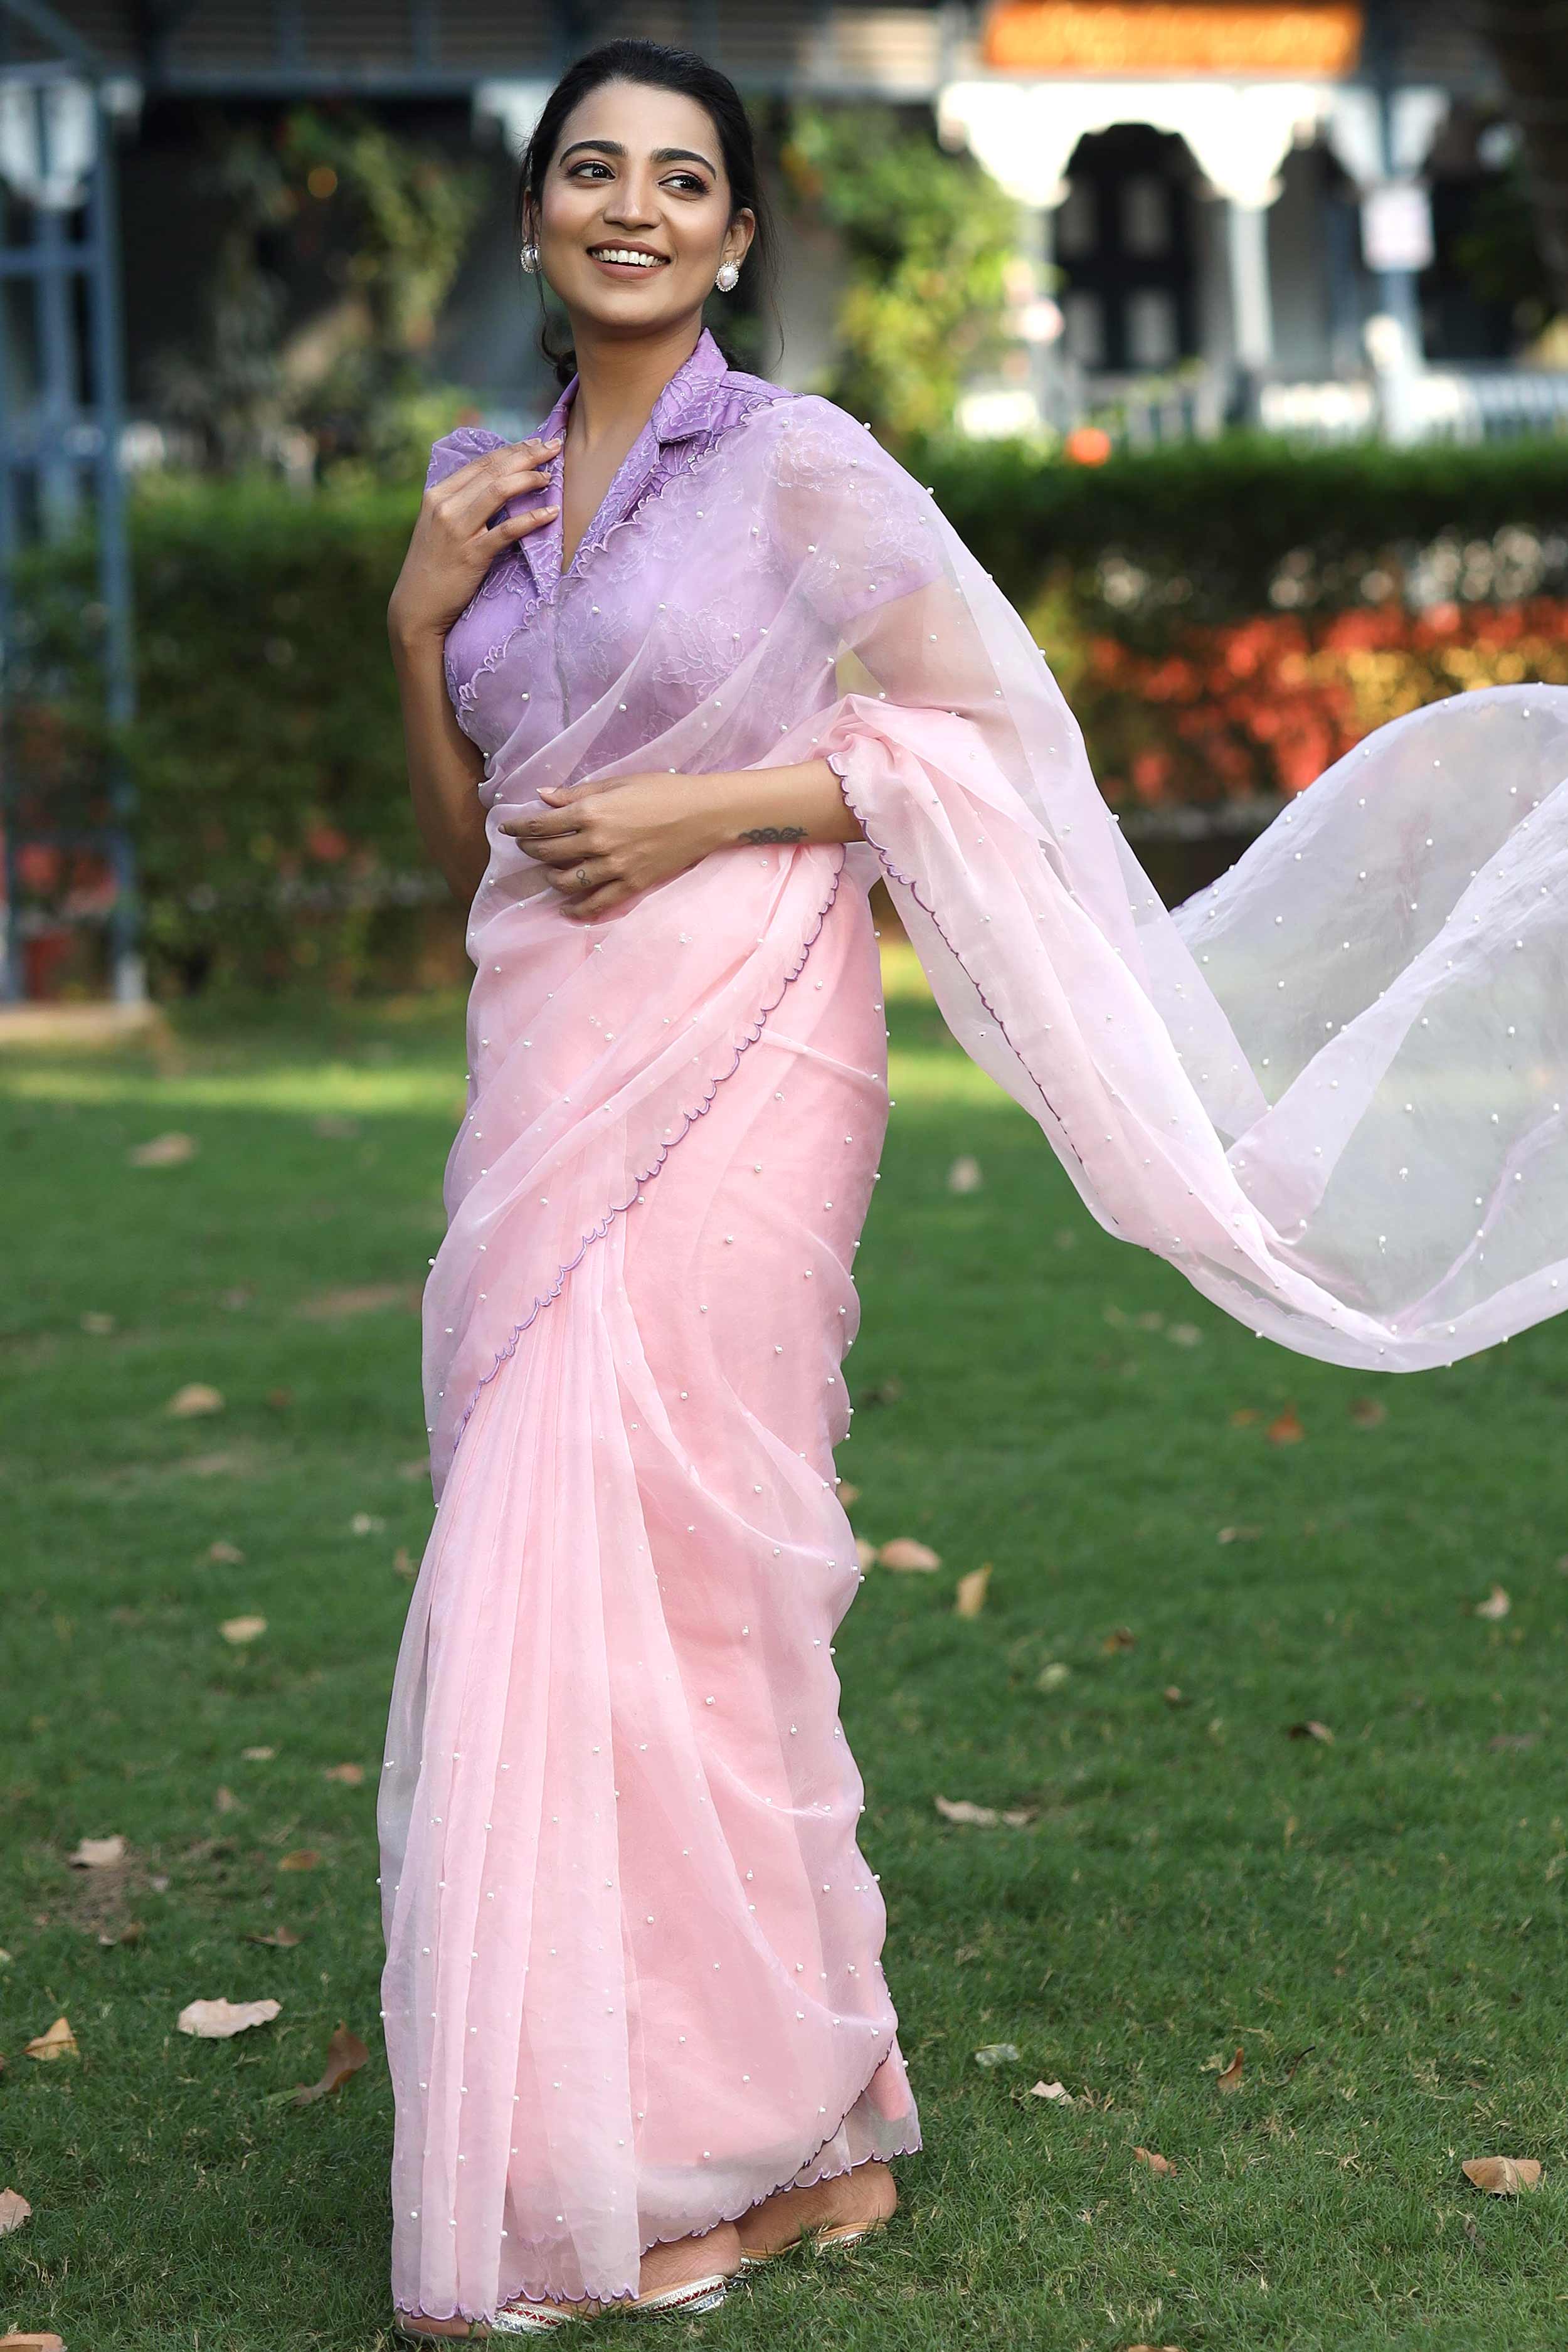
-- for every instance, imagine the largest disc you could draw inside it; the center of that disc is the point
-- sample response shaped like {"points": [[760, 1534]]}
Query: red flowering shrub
{"points": [[1260, 706]]}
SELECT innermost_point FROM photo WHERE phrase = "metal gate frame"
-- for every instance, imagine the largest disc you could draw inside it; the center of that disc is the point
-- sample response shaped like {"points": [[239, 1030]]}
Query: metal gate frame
{"points": [[60, 435]]}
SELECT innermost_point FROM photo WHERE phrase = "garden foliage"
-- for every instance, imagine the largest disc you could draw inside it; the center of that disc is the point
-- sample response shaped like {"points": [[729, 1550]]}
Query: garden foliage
{"points": [[1223, 618]]}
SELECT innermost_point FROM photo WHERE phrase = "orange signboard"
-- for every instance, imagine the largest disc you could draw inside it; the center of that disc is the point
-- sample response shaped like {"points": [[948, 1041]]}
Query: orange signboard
{"points": [[1173, 37]]}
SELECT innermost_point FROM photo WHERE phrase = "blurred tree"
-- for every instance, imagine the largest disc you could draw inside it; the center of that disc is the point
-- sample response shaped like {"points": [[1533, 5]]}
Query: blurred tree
{"points": [[1529, 42], [386, 221], [339, 244], [225, 383], [929, 236]]}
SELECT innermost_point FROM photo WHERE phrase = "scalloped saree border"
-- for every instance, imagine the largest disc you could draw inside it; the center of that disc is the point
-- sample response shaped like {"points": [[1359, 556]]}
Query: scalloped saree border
{"points": [[618, 1209], [895, 873]]}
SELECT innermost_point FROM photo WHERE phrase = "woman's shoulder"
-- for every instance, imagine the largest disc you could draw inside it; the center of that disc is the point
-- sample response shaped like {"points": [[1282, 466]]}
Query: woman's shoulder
{"points": [[458, 447], [812, 439]]}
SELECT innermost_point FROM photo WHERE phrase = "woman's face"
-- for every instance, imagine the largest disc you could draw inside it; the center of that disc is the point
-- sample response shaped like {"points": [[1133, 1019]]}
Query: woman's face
{"points": [[636, 173]]}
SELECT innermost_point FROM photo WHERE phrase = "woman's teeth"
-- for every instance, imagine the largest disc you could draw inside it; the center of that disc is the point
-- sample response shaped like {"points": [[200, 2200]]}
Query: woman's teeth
{"points": [[620, 253]]}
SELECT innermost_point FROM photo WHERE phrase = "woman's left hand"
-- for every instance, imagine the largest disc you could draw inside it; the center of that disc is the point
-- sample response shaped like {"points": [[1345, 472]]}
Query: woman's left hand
{"points": [[602, 843]]}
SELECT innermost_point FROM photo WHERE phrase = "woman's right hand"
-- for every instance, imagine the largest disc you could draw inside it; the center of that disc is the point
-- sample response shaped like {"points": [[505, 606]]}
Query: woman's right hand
{"points": [[453, 546]]}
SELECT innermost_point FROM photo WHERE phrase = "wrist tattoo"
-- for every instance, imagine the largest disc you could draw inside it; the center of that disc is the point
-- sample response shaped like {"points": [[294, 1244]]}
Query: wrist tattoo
{"points": [[764, 833]]}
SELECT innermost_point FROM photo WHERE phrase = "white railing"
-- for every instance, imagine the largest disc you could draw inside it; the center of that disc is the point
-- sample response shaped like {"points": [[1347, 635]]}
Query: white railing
{"points": [[1465, 404], [1433, 404]]}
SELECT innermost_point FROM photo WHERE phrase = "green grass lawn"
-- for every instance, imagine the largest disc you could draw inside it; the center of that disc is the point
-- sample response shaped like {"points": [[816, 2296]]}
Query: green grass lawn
{"points": [[1376, 1921]]}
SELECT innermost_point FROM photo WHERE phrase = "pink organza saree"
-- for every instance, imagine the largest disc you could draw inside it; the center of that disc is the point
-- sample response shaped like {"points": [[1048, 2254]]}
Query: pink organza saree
{"points": [[633, 1978]]}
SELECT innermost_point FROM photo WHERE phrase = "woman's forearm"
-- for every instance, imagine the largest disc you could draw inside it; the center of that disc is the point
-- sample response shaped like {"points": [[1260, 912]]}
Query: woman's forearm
{"points": [[803, 803], [444, 766]]}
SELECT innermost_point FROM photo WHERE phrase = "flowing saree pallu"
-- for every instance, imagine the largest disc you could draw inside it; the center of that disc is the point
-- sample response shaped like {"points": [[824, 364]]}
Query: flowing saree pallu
{"points": [[631, 1979]]}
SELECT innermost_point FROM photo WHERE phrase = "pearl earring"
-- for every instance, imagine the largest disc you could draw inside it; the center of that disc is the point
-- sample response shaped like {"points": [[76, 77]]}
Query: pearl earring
{"points": [[727, 277], [529, 257]]}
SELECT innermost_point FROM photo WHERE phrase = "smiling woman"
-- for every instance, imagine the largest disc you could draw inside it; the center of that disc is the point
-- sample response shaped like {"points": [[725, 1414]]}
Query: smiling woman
{"points": [[614, 1700]]}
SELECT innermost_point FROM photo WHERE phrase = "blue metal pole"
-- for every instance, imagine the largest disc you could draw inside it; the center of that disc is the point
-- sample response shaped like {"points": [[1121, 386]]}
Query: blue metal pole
{"points": [[128, 972]]}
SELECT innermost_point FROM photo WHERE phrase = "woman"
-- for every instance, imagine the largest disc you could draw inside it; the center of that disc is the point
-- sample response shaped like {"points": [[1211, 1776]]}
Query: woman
{"points": [[681, 673]]}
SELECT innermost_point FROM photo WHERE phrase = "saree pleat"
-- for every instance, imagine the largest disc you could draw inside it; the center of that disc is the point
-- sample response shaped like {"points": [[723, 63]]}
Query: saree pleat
{"points": [[650, 1991]]}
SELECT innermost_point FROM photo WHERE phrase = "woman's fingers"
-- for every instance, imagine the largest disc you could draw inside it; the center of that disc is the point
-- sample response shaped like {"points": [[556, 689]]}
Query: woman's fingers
{"points": [[580, 875], [475, 491], [589, 903], [569, 850], [531, 831], [512, 527]]}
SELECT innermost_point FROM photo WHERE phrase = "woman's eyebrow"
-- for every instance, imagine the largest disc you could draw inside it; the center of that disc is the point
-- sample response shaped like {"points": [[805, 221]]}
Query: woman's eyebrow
{"points": [[660, 155]]}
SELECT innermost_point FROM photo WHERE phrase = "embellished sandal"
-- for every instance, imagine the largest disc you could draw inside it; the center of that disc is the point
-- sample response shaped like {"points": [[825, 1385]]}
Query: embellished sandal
{"points": [[511, 2319], [681, 2302]]}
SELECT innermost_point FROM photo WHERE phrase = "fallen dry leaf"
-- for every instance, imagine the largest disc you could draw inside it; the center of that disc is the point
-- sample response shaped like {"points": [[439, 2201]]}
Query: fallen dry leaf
{"points": [[1173, 1695], [226, 1801], [1513, 1739], [1121, 1637], [243, 1629], [866, 1554], [259, 1755], [1310, 1730], [1230, 2080], [1057, 2091], [335, 1125], [194, 1398], [997, 2054], [848, 1494], [1052, 1675], [365, 1523], [971, 1597], [402, 1565], [1368, 1412], [904, 1551], [163, 1151], [964, 1175], [60, 2042], [279, 1400], [1495, 1604], [99, 1853], [223, 1554], [1186, 1335], [281, 1939], [98, 1325], [346, 2053], [1155, 2163], [1239, 1535], [304, 1857], [215, 2021], [131, 1933], [14, 2211], [1501, 2176], [19, 2340], [351, 1775], [1285, 1428], [1244, 1416], [959, 1808]]}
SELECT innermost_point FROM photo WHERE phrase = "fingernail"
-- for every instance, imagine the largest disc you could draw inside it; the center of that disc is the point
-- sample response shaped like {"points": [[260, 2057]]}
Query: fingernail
{"points": [[548, 511]]}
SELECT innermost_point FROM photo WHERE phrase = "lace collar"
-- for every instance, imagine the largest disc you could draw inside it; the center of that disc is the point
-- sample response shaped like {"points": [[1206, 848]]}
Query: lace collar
{"points": [[687, 405]]}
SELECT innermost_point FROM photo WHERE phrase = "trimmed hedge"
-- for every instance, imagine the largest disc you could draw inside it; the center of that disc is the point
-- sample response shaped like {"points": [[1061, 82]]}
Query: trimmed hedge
{"points": [[1217, 530], [1224, 616]]}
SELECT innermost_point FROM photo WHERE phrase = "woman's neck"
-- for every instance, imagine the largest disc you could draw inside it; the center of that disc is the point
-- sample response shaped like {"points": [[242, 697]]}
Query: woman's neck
{"points": [[619, 379]]}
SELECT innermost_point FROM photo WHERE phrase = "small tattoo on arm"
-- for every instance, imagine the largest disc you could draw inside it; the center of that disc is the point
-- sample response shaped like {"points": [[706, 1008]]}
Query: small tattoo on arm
{"points": [[764, 832]]}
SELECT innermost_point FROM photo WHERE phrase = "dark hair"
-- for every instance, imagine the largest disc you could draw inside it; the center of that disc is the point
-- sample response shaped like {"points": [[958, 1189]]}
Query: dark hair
{"points": [[655, 67]]}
